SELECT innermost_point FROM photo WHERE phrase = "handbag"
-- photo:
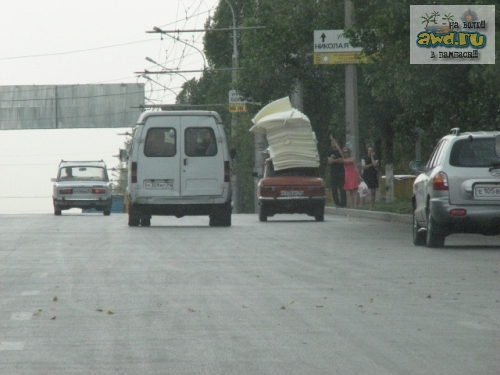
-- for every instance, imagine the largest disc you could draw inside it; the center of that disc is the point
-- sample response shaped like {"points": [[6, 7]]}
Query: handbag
{"points": [[363, 190]]}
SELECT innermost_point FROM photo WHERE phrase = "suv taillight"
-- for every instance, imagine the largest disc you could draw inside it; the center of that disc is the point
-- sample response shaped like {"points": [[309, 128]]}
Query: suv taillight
{"points": [[440, 182], [133, 173]]}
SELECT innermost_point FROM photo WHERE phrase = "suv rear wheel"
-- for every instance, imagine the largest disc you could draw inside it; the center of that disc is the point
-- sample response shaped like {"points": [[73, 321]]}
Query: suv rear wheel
{"points": [[433, 239], [418, 235]]}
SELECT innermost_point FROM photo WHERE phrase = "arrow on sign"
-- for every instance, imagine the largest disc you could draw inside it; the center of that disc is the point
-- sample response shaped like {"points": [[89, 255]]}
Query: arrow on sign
{"points": [[323, 37]]}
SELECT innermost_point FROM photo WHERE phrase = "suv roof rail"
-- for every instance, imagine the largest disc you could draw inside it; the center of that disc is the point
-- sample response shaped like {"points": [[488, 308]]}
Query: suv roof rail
{"points": [[455, 131]]}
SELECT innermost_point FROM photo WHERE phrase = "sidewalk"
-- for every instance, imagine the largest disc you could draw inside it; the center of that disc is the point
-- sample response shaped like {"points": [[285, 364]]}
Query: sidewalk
{"points": [[379, 215]]}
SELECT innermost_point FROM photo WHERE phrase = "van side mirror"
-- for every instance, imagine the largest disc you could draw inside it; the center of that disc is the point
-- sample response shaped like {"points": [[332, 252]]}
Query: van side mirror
{"points": [[123, 155]]}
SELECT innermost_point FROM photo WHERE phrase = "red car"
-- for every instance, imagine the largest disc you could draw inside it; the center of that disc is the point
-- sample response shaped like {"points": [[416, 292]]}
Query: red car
{"points": [[289, 191]]}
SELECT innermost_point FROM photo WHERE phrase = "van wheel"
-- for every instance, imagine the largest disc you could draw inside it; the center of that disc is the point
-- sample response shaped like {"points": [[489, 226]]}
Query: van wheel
{"points": [[57, 212], [222, 216], [106, 212], [133, 221], [433, 239], [145, 222], [134, 218]]}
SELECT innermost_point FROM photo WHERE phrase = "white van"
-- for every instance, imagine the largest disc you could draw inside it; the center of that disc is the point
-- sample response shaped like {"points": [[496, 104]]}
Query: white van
{"points": [[178, 164]]}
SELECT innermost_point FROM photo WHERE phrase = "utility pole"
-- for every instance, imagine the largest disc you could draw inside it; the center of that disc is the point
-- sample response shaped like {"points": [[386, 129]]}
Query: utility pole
{"points": [[351, 92], [234, 119]]}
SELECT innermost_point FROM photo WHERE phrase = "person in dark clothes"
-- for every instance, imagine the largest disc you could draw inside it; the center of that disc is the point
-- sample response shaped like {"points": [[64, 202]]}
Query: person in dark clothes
{"points": [[337, 173], [369, 165]]}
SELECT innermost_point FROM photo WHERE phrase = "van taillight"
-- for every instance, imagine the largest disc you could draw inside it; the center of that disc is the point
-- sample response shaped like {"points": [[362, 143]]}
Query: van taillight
{"points": [[440, 182], [227, 172], [65, 191], [133, 173]]}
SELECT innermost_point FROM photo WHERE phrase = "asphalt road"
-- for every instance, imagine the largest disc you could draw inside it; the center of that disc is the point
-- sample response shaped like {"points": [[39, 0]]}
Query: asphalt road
{"points": [[86, 294]]}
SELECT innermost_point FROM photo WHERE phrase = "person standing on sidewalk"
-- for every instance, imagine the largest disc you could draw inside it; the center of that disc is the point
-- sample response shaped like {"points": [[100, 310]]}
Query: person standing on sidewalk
{"points": [[337, 173], [369, 165], [352, 177]]}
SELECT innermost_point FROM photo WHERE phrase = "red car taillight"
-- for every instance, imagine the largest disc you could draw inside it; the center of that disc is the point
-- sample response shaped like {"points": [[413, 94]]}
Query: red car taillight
{"points": [[440, 182], [65, 191], [133, 173], [267, 190], [98, 191]]}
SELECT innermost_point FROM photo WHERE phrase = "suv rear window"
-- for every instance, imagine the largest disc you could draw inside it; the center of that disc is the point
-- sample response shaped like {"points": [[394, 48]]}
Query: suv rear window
{"points": [[475, 153]]}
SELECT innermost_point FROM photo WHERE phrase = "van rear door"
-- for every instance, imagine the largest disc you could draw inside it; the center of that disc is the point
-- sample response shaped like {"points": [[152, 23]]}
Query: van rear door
{"points": [[202, 164], [158, 171]]}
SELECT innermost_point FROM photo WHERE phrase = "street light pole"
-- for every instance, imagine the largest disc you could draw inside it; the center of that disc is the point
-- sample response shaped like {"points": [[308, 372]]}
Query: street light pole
{"points": [[234, 119]]}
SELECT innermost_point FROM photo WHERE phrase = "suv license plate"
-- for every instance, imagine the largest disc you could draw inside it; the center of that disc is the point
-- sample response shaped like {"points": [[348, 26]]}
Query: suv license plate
{"points": [[159, 185], [291, 193], [487, 192]]}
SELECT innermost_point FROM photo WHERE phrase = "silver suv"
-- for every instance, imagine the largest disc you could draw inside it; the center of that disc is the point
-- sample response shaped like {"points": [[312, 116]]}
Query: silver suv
{"points": [[458, 190], [82, 184]]}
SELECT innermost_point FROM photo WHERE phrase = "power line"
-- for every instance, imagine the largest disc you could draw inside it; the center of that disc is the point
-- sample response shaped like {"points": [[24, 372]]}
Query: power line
{"points": [[75, 51]]}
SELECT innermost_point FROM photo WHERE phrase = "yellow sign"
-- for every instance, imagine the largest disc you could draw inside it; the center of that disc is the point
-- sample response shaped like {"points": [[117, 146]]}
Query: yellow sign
{"points": [[339, 58], [237, 107]]}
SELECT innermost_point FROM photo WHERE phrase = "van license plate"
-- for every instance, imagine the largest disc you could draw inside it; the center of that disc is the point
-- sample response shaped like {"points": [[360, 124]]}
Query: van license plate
{"points": [[291, 193], [487, 192], [159, 185]]}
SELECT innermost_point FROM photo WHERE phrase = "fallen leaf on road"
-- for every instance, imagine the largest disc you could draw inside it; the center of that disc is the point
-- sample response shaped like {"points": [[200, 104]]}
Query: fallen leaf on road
{"points": [[110, 312], [54, 299], [429, 296]]}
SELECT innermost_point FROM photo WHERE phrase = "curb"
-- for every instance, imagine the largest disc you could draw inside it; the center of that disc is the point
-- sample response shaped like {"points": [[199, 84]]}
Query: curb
{"points": [[378, 215]]}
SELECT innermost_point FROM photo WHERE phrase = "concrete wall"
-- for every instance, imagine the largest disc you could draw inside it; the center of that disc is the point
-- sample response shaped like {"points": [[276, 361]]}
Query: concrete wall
{"points": [[70, 106]]}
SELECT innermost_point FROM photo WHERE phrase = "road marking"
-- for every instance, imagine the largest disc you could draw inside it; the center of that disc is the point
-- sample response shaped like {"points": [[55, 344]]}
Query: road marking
{"points": [[30, 293], [12, 345], [41, 275], [21, 316]]}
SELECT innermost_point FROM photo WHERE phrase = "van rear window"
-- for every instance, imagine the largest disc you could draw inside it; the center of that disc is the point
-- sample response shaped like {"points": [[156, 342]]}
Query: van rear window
{"points": [[160, 142], [200, 142]]}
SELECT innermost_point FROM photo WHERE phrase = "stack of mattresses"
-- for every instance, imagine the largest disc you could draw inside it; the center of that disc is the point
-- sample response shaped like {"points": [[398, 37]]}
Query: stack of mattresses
{"points": [[292, 143]]}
